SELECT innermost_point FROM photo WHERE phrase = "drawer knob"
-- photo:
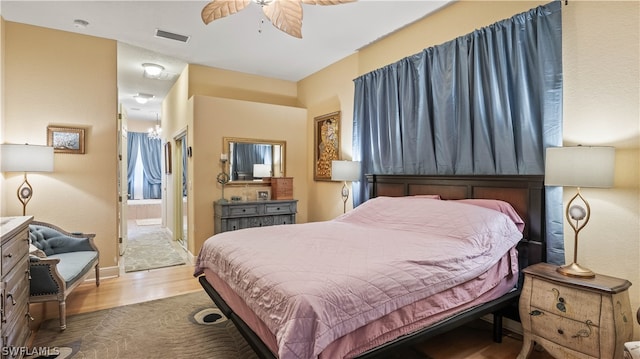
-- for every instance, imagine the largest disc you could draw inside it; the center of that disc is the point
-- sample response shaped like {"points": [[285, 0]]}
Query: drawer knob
{"points": [[584, 333], [8, 255], [278, 208], [13, 301], [244, 210], [560, 331], [535, 313]]}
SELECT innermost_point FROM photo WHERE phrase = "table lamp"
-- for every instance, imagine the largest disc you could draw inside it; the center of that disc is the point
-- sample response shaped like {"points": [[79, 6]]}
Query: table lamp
{"points": [[345, 171], [26, 158], [580, 166]]}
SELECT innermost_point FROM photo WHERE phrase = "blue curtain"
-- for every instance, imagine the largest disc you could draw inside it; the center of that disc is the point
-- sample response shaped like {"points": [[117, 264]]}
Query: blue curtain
{"points": [[132, 155], [151, 155], [488, 102]]}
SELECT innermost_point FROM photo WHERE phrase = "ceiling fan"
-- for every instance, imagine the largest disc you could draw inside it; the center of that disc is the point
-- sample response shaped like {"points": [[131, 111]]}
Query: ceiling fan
{"points": [[286, 15]]}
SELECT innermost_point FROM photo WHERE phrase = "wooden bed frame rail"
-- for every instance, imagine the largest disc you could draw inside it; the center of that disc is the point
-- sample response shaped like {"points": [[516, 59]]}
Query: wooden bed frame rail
{"points": [[524, 193]]}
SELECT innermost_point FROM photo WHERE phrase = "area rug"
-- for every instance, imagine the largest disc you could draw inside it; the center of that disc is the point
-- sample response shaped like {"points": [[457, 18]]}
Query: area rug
{"points": [[185, 326], [150, 247]]}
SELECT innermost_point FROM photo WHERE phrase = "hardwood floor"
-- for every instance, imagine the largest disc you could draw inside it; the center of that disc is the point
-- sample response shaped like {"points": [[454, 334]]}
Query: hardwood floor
{"points": [[470, 342]]}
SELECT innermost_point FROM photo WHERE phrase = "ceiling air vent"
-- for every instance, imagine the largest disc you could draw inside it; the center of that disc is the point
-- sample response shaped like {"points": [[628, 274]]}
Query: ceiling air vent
{"points": [[171, 36]]}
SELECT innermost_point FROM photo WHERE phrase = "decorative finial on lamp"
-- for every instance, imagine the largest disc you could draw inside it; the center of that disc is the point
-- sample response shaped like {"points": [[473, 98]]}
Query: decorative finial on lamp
{"points": [[26, 158], [580, 166], [345, 171]]}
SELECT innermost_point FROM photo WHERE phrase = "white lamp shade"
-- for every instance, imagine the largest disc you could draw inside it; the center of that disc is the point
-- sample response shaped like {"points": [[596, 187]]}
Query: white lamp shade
{"points": [[261, 170], [580, 166], [345, 170], [26, 158]]}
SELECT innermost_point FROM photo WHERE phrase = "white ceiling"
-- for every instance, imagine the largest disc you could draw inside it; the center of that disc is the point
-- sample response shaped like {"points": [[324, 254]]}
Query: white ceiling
{"points": [[240, 42]]}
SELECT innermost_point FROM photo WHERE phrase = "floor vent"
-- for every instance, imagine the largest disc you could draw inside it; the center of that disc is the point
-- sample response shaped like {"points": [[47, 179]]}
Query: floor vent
{"points": [[171, 36]]}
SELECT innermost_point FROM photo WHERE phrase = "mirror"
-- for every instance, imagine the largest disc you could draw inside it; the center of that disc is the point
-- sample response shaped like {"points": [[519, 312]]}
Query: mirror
{"points": [[250, 159]]}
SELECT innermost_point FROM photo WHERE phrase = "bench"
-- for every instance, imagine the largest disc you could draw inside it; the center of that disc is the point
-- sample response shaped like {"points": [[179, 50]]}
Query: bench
{"points": [[59, 262]]}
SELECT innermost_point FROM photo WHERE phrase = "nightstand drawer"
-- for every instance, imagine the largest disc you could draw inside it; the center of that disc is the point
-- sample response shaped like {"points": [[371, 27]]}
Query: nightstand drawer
{"points": [[579, 336], [567, 302]]}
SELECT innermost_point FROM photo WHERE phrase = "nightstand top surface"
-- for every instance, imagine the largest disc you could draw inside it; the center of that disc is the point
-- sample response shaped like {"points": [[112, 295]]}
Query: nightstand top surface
{"points": [[600, 283]]}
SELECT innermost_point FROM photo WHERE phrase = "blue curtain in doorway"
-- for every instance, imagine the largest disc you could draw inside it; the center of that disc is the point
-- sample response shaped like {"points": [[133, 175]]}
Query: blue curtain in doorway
{"points": [[151, 156]]}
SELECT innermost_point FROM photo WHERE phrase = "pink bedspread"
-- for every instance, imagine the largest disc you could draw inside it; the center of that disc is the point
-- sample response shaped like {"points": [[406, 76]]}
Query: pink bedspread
{"points": [[312, 283]]}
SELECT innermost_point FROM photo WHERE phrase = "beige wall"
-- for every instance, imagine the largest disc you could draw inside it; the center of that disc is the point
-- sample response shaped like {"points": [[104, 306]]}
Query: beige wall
{"points": [[208, 81], [601, 106], [211, 104], [64, 79], [217, 117]]}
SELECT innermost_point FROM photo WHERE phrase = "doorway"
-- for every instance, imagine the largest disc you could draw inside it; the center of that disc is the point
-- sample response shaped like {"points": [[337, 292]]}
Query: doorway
{"points": [[181, 190]]}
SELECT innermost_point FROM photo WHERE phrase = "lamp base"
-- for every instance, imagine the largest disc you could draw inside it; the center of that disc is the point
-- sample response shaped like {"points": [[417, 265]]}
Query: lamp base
{"points": [[575, 270]]}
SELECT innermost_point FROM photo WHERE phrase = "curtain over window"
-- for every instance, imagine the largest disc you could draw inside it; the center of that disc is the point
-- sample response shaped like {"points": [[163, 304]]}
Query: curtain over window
{"points": [[150, 152], [488, 102]]}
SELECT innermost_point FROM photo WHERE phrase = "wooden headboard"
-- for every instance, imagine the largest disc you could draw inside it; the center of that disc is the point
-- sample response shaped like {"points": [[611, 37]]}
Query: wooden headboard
{"points": [[524, 193]]}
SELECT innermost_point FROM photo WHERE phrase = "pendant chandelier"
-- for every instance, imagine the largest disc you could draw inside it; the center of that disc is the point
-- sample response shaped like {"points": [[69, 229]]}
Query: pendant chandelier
{"points": [[156, 131]]}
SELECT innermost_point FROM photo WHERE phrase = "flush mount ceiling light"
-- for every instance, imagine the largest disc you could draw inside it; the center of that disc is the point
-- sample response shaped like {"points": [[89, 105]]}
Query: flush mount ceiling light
{"points": [[143, 98], [152, 70], [286, 15]]}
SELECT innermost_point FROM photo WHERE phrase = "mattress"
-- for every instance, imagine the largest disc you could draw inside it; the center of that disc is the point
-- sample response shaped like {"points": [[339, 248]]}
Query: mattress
{"points": [[312, 284]]}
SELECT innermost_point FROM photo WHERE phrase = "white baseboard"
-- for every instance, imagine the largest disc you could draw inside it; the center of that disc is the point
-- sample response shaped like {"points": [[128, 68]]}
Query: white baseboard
{"points": [[105, 272]]}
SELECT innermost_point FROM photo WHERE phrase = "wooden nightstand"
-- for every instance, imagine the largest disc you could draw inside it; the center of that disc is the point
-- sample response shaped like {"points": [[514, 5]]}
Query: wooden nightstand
{"points": [[574, 317]]}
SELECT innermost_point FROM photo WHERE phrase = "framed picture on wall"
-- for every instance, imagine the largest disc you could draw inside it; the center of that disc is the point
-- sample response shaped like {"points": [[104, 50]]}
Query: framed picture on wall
{"points": [[326, 145], [66, 139], [167, 157]]}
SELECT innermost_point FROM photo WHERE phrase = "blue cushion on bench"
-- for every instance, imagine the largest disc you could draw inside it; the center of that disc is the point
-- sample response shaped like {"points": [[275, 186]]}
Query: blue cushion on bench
{"points": [[74, 264]]}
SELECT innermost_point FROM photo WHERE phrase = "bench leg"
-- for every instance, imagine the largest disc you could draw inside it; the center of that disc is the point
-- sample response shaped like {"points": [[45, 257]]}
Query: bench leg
{"points": [[63, 315], [97, 275]]}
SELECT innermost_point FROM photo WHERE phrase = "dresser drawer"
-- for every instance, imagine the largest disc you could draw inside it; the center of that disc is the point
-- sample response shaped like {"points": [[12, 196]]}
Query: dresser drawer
{"points": [[579, 336], [567, 302], [16, 278], [280, 208], [243, 210], [285, 219], [13, 250], [18, 321]]}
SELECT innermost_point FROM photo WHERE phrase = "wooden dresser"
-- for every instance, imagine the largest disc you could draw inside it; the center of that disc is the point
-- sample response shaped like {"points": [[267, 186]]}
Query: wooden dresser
{"points": [[15, 285], [281, 187], [574, 317], [231, 216]]}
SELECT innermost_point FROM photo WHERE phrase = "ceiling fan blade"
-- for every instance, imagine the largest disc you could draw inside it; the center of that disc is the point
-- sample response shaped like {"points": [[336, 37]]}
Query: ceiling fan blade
{"points": [[326, 2], [220, 8], [286, 16]]}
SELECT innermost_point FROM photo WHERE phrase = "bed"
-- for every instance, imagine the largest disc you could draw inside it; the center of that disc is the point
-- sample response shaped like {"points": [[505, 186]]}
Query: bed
{"points": [[370, 283]]}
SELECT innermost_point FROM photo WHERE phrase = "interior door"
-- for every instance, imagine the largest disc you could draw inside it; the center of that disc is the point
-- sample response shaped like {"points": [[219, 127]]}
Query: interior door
{"points": [[123, 187], [181, 182]]}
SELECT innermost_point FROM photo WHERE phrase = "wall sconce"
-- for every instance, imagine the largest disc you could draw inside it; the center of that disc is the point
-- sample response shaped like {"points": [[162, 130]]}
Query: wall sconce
{"points": [[26, 158], [223, 178], [581, 166], [345, 171]]}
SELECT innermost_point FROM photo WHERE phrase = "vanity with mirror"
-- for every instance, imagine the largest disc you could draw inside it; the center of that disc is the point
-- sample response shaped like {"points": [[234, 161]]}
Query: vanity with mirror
{"points": [[251, 160]]}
